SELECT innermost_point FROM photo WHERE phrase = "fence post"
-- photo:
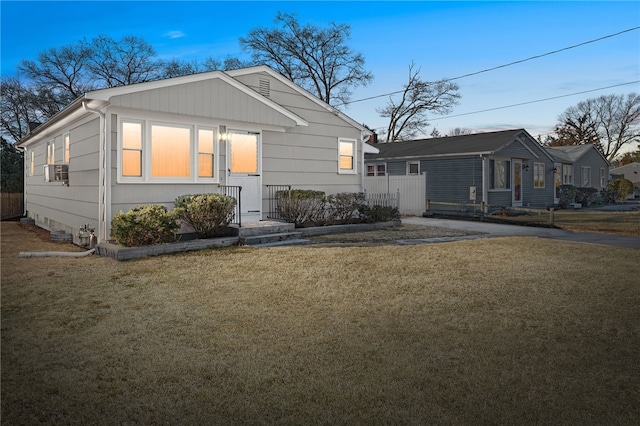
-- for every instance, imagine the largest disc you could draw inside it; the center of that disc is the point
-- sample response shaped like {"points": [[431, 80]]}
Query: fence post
{"points": [[398, 199], [551, 216], [482, 211], [427, 204]]}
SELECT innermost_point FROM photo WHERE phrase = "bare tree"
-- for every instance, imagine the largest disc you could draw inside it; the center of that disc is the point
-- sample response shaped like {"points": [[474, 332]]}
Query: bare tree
{"points": [[312, 57], [118, 63], [609, 122], [459, 131], [408, 115]]}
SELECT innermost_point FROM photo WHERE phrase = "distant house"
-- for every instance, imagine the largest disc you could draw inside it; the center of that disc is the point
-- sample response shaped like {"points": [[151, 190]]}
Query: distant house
{"points": [[630, 172], [579, 165], [502, 169], [118, 148]]}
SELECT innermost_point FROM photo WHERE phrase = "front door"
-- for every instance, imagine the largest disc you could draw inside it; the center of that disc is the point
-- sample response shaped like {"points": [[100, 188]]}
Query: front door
{"points": [[516, 187], [243, 167], [557, 177]]}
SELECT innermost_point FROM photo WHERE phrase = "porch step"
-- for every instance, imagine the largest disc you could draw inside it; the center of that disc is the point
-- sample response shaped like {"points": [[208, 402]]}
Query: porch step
{"points": [[262, 240], [252, 229]]}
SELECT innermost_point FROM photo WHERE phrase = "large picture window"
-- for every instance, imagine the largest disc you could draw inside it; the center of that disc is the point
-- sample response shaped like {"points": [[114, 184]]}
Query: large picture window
{"points": [[166, 152], [499, 174]]}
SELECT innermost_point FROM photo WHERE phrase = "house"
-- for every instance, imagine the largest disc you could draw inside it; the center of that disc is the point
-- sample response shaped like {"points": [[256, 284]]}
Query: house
{"points": [[502, 169], [579, 165], [630, 172], [118, 148]]}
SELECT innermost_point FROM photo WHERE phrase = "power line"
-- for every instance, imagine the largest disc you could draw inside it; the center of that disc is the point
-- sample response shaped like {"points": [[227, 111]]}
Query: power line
{"points": [[526, 103], [505, 65]]}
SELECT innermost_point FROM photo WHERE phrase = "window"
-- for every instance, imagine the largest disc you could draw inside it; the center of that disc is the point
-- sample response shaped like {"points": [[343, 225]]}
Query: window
{"points": [[51, 152], [32, 162], [499, 174], [586, 177], [170, 151], [603, 178], [567, 174], [413, 168], [347, 156], [538, 175], [377, 169], [132, 149], [166, 152], [206, 153], [67, 143]]}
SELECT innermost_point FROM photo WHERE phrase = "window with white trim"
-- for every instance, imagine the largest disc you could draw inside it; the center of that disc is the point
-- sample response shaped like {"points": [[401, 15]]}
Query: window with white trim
{"points": [[379, 169], [586, 177], [51, 152], [67, 145], [164, 152], [499, 174], [413, 168], [538, 175], [32, 162], [347, 156], [603, 178], [567, 174]]}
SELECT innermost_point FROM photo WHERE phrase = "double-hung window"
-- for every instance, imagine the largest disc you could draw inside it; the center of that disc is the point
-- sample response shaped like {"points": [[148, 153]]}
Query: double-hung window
{"points": [[67, 147], [603, 178], [347, 156], [586, 177], [32, 162], [377, 169], [567, 174], [499, 174], [51, 152], [538, 175], [163, 152]]}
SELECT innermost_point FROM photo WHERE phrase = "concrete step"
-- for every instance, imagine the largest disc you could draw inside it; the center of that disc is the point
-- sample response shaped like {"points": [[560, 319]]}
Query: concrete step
{"points": [[270, 238], [252, 229]]}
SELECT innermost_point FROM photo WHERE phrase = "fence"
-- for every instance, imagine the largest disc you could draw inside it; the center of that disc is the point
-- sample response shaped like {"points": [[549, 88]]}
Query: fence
{"points": [[383, 199], [272, 200], [234, 191], [12, 205], [412, 189]]}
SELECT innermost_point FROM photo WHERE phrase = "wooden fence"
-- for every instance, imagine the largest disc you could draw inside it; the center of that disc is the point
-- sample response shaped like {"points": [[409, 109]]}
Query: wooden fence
{"points": [[12, 205]]}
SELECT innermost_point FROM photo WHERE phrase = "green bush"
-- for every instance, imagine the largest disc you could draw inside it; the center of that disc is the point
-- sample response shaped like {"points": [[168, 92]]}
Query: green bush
{"points": [[567, 195], [145, 225], [620, 189], [301, 206], [343, 207], [586, 196], [375, 214], [207, 214]]}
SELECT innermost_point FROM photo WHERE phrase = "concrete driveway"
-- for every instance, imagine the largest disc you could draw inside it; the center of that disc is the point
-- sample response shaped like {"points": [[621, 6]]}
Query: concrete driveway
{"points": [[499, 230]]}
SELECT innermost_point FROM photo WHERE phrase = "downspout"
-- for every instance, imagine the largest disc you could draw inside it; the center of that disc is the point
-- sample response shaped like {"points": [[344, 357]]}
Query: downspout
{"points": [[102, 173], [25, 162], [361, 162], [485, 183]]}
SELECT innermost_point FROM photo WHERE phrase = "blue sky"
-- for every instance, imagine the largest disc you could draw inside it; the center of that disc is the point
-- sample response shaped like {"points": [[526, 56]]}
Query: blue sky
{"points": [[444, 39]]}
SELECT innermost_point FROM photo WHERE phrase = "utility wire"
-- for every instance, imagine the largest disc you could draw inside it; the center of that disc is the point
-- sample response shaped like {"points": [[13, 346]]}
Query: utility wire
{"points": [[504, 65]]}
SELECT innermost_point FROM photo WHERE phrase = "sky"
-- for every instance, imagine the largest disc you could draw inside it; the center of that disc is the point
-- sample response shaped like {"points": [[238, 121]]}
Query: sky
{"points": [[443, 39]]}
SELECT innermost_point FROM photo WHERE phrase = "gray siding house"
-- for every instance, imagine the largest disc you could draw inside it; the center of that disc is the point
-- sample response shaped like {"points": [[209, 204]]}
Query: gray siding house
{"points": [[630, 172], [502, 169], [579, 165], [118, 148]]}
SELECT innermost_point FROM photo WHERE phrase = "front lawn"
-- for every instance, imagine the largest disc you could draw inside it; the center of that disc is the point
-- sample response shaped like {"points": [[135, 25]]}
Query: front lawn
{"points": [[501, 330]]}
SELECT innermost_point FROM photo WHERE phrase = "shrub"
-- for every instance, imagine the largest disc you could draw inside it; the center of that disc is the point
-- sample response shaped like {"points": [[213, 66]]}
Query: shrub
{"points": [[343, 207], [301, 206], [567, 195], [586, 196], [379, 213], [145, 225], [208, 214], [620, 189]]}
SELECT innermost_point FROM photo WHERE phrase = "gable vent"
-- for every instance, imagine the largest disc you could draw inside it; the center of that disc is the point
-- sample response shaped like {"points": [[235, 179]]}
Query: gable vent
{"points": [[264, 87]]}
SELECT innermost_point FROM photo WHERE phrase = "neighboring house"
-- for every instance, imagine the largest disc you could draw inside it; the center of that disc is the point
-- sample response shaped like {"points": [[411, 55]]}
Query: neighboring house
{"points": [[502, 169], [118, 148], [630, 172], [579, 165]]}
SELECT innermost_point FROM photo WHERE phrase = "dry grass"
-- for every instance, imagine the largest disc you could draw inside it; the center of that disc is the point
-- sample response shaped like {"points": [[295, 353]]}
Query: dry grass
{"points": [[388, 235], [501, 331]]}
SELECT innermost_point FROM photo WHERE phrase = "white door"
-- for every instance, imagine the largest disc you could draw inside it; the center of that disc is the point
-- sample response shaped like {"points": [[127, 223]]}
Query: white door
{"points": [[516, 184], [243, 169]]}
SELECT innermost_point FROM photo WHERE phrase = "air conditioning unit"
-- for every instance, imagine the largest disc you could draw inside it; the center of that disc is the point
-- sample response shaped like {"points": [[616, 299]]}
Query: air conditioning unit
{"points": [[57, 173]]}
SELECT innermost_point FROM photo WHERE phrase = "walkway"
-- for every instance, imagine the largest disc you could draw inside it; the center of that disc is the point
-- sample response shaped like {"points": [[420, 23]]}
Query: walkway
{"points": [[499, 230]]}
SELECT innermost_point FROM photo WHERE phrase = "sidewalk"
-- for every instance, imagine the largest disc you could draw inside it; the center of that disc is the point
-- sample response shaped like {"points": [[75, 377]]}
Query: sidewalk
{"points": [[499, 230]]}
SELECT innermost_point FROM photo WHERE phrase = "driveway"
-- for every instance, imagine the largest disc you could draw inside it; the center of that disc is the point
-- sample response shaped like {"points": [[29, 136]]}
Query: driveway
{"points": [[499, 230]]}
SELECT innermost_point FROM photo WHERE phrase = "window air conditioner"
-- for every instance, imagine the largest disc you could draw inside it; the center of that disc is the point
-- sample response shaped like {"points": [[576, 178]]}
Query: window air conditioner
{"points": [[57, 173]]}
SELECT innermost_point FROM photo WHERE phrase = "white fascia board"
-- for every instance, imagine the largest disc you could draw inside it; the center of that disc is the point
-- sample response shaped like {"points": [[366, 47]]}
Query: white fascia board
{"points": [[421, 157], [107, 94], [300, 90]]}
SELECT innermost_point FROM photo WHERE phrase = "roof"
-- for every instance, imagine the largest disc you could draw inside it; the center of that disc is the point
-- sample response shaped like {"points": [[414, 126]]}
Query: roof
{"points": [[480, 143], [571, 153]]}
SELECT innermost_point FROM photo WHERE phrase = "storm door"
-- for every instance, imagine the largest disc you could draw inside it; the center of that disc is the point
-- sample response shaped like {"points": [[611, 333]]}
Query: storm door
{"points": [[244, 167]]}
